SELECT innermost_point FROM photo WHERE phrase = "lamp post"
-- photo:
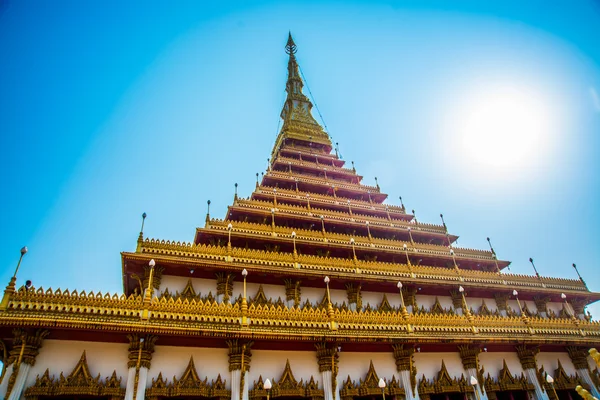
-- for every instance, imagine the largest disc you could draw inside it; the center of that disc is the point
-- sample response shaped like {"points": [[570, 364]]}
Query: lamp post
{"points": [[474, 383], [229, 229], [294, 241], [402, 204], [368, 229], [567, 306], [580, 278], [13, 280], [464, 300], [150, 290], [308, 201], [275, 197], [272, 218], [349, 208], [244, 301], [322, 223], [267, 385], [405, 248], [329, 306], [550, 381], [353, 251], [410, 236], [382, 387]]}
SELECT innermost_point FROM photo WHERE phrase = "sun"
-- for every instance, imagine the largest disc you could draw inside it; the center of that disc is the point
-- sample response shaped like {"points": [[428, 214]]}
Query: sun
{"points": [[503, 127]]}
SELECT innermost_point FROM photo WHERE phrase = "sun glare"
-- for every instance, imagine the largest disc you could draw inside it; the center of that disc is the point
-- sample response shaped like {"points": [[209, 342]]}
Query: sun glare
{"points": [[504, 128]]}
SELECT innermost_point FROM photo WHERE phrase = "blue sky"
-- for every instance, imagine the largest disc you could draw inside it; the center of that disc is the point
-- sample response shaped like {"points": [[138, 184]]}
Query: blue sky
{"points": [[485, 111]]}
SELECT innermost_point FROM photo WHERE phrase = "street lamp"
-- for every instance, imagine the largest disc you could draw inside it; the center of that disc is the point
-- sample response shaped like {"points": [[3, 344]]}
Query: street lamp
{"points": [[294, 240], [368, 229], [405, 248], [267, 385], [410, 236], [474, 383], [150, 290], [382, 387], [353, 251], [229, 228]]}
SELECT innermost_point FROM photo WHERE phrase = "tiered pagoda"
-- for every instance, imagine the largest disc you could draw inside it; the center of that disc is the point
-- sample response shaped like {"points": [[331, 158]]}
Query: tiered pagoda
{"points": [[313, 287]]}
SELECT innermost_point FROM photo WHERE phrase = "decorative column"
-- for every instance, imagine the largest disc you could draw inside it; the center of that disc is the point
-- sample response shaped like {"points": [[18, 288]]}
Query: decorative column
{"points": [[21, 358], [502, 303], [527, 358], [240, 356], [328, 359], [406, 370], [292, 292], [140, 357], [410, 298], [457, 302], [579, 358], [541, 303], [578, 309], [470, 360], [354, 297], [224, 287]]}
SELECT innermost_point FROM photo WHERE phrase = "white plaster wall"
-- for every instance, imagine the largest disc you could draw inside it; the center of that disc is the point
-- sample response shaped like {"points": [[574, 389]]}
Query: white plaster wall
{"points": [[512, 304], [550, 362], [556, 307], [375, 299], [427, 301], [315, 295], [357, 365], [172, 361], [178, 283], [493, 363], [270, 364], [271, 291], [475, 303], [431, 363], [63, 355]]}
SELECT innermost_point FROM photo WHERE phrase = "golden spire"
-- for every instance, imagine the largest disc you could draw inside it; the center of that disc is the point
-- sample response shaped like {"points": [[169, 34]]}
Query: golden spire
{"points": [[298, 122]]}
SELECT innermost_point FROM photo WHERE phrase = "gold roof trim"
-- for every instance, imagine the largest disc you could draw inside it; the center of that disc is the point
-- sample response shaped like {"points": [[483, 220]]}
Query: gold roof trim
{"points": [[313, 165], [325, 182]]}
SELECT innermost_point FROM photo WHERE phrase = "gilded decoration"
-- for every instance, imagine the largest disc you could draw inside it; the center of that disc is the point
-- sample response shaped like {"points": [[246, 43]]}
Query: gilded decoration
{"points": [[369, 386], [27, 342], [354, 295], [562, 381], [443, 383], [527, 356], [293, 291], [140, 352], [578, 356], [506, 382], [79, 382], [541, 303], [287, 386], [225, 285], [405, 362], [236, 348], [188, 385], [501, 301], [469, 356]]}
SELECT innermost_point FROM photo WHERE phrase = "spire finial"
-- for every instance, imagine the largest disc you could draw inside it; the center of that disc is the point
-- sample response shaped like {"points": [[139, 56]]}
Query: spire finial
{"points": [[290, 47], [208, 212]]}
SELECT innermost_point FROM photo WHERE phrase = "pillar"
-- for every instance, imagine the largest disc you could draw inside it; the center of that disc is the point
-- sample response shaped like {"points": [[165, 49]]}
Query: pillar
{"points": [[292, 292], [410, 298], [406, 370], [457, 302], [354, 297], [529, 364], [140, 357], [328, 359], [470, 359], [502, 303], [579, 357], [240, 356], [21, 358], [541, 303], [224, 287]]}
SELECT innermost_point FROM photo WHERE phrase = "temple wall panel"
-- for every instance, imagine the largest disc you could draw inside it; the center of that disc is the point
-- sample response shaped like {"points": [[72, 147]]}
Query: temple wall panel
{"points": [[375, 299], [427, 301], [431, 363], [270, 364], [178, 283], [475, 303], [357, 365], [271, 291], [173, 360], [549, 360], [63, 355], [493, 363]]}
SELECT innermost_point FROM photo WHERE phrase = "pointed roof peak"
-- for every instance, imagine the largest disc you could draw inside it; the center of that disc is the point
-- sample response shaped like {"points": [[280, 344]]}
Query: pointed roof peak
{"points": [[290, 47]]}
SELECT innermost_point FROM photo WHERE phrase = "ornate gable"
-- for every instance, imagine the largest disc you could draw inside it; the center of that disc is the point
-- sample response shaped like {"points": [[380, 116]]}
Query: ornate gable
{"points": [[444, 383], [287, 386], [385, 305], [369, 386]]}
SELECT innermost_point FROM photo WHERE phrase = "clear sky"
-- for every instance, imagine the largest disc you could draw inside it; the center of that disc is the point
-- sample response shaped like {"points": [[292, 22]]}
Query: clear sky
{"points": [[485, 111]]}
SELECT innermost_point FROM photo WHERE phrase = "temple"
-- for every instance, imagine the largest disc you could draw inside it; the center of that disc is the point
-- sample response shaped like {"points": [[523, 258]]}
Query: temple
{"points": [[312, 288]]}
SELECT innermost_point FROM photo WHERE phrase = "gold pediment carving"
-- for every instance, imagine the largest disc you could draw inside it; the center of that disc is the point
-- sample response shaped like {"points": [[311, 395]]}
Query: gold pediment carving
{"points": [[287, 386], [562, 380], [188, 385], [444, 383], [506, 381], [79, 382], [369, 386]]}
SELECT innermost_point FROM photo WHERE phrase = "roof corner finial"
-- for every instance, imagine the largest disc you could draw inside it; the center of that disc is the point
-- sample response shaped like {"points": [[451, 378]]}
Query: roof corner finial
{"points": [[290, 47]]}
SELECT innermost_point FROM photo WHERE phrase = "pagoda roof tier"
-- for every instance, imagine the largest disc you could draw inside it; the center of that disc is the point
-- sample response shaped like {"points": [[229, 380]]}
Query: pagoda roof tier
{"points": [[351, 190], [319, 168], [334, 202], [80, 311], [311, 154], [356, 221], [106, 314], [337, 241], [180, 258]]}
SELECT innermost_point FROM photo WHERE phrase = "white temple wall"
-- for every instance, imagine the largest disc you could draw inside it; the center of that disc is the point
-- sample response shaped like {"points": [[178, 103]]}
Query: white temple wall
{"points": [[63, 355], [315, 295], [357, 365], [556, 307], [549, 360], [431, 363], [173, 360], [493, 363], [428, 301], [475, 303], [271, 363], [375, 299]]}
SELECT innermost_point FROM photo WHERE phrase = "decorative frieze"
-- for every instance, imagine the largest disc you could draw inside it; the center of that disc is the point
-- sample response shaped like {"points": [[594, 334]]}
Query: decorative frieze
{"points": [[541, 303], [527, 356], [501, 301], [26, 346], [328, 357], [457, 300], [578, 356], [240, 355], [469, 356]]}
